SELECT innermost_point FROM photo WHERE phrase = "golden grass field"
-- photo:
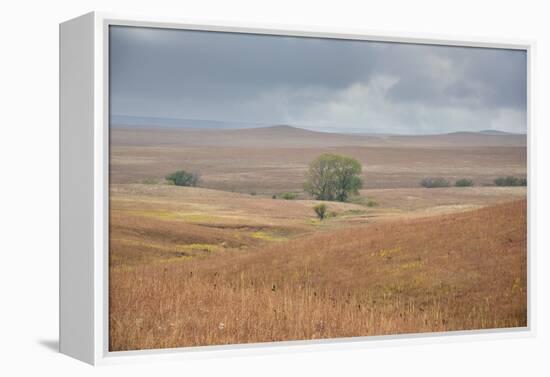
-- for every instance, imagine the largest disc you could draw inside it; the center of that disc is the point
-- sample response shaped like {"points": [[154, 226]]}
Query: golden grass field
{"points": [[205, 266]]}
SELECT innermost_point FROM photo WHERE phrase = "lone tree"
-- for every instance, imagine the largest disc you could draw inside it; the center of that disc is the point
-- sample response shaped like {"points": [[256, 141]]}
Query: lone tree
{"points": [[333, 177], [183, 178], [320, 210]]}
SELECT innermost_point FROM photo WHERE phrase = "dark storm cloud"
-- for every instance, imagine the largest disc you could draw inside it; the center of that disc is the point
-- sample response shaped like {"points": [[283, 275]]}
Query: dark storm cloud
{"points": [[170, 61], [318, 83]]}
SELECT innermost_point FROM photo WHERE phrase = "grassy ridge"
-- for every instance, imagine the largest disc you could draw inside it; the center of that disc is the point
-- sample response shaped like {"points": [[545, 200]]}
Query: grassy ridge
{"points": [[439, 273]]}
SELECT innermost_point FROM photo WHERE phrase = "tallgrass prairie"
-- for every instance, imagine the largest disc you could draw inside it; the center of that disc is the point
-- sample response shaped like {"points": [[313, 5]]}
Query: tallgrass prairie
{"points": [[439, 273], [233, 261]]}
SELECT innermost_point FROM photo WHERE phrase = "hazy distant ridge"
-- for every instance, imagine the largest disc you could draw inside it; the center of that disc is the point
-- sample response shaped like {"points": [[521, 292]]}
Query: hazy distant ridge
{"points": [[288, 136]]}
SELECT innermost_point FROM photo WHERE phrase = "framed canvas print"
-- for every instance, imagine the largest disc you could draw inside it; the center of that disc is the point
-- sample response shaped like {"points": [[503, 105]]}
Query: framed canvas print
{"points": [[237, 190]]}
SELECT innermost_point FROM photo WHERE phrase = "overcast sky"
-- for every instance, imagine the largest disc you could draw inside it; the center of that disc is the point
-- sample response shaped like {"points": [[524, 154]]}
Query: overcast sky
{"points": [[320, 84]]}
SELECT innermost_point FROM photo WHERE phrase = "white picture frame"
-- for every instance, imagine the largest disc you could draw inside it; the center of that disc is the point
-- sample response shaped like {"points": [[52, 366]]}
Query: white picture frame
{"points": [[84, 75]]}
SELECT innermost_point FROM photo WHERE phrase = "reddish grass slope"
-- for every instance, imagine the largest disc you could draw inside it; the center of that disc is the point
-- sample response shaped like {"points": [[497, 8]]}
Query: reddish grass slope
{"points": [[441, 273]]}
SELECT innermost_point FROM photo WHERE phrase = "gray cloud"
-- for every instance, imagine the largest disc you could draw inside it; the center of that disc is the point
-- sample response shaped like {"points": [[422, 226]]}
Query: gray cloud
{"points": [[317, 83]]}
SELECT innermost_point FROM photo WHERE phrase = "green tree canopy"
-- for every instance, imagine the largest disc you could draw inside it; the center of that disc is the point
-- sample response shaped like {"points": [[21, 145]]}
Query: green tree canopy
{"points": [[183, 178], [333, 177]]}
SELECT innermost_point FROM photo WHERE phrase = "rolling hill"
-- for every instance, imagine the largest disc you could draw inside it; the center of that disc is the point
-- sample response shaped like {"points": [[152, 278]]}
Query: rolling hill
{"points": [[288, 136]]}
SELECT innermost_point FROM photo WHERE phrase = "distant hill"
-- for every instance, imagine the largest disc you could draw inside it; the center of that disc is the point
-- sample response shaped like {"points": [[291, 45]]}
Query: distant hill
{"points": [[496, 132], [288, 136], [464, 138], [273, 136]]}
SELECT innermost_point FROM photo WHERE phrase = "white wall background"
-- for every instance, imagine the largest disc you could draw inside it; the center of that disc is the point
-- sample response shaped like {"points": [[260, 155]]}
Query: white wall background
{"points": [[29, 182]]}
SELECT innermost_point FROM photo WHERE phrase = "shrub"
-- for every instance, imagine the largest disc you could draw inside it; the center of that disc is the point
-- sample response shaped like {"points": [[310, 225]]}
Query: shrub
{"points": [[273, 196], [371, 203], [253, 193], [464, 182], [289, 196], [183, 178], [510, 181], [320, 210], [333, 177], [434, 182]]}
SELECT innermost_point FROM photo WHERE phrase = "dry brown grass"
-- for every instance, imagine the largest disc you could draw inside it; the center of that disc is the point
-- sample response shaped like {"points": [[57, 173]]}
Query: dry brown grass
{"points": [[270, 163], [440, 273]]}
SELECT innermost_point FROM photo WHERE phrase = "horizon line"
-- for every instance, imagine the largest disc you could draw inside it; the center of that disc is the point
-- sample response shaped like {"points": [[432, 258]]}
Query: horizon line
{"points": [[326, 130]]}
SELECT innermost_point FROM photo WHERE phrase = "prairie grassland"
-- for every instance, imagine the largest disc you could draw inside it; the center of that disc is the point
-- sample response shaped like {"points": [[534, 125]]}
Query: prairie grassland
{"points": [[448, 272], [151, 223], [425, 201], [226, 263], [274, 160]]}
